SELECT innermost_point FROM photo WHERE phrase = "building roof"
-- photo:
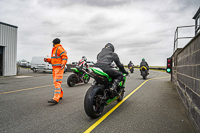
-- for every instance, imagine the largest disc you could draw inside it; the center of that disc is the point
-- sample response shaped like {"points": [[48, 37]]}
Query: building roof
{"points": [[197, 13], [8, 25]]}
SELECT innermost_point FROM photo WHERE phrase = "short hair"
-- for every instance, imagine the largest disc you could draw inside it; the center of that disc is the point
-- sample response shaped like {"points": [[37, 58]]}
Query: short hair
{"points": [[56, 41]]}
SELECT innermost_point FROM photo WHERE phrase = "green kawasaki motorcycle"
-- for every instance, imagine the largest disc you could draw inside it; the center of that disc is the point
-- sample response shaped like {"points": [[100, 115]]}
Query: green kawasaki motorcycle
{"points": [[99, 94], [75, 78]]}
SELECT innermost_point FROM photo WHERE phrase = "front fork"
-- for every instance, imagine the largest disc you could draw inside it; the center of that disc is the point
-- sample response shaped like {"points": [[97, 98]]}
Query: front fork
{"points": [[122, 83]]}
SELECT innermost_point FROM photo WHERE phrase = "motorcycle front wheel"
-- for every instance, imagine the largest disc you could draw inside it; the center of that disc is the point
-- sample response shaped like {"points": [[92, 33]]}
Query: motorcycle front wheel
{"points": [[121, 96], [72, 79], [93, 102], [87, 79]]}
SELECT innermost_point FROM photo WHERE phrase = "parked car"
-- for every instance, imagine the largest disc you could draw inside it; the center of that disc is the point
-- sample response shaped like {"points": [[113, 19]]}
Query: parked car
{"points": [[74, 63], [38, 64], [23, 63], [29, 65]]}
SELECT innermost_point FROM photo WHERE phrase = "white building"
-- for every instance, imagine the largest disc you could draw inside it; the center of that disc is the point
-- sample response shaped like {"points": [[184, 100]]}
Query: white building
{"points": [[8, 49]]}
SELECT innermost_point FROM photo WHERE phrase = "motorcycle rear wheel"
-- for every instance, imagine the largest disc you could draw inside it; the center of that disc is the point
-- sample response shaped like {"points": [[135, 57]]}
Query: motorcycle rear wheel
{"points": [[72, 80], [144, 75], [131, 70], [93, 103]]}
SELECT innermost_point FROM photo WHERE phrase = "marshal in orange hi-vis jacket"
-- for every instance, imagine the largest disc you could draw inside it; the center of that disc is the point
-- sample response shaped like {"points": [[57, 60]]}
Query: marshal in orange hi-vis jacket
{"points": [[58, 60]]}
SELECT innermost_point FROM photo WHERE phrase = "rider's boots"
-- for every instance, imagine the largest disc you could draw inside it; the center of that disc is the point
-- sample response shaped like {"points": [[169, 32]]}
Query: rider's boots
{"points": [[52, 101], [114, 87]]}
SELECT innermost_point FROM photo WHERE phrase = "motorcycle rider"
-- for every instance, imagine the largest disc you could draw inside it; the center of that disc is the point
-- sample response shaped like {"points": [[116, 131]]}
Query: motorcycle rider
{"points": [[144, 63], [80, 65], [104, 61], [130, 64]]}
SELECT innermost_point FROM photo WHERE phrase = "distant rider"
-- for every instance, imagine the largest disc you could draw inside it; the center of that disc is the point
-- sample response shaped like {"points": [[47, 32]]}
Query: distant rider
{"points": [[144, 63], [130, 64], [104, 61], [82, 64]]}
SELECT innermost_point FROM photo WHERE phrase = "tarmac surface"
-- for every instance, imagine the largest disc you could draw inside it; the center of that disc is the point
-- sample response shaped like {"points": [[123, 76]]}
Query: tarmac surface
{"points": [[154, 108]]}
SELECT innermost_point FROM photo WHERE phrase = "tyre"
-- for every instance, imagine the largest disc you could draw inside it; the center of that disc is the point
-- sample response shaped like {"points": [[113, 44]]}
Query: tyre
{"points": [[34, 70], [72, 80], [87, 79], [93, 102], [131, 70], [121, 96], [144, 74]]}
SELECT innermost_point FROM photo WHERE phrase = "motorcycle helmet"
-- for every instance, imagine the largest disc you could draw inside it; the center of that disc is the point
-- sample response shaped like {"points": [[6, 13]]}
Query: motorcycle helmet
{"points": [[84, 58], [56, 41], [109, 45], [143, 59]]}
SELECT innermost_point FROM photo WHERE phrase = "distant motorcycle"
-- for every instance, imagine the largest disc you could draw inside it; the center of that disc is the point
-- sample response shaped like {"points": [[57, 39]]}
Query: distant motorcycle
{"points": [[76, 77], [131, 69], [144, 72]]}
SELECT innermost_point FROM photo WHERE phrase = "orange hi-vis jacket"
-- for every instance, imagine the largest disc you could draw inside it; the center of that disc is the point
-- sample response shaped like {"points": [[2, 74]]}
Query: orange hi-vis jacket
{"points": [[58, 56]]}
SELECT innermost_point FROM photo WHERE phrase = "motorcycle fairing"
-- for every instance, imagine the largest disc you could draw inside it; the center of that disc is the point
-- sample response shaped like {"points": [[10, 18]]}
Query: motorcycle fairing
{"points": [[100, 72]]}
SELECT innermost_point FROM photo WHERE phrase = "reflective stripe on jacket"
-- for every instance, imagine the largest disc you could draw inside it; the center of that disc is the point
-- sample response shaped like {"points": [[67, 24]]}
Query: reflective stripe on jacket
{"points": [[58, 56]]}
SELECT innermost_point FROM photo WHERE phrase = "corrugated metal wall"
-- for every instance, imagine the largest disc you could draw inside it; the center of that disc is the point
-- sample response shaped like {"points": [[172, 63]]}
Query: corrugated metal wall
{"points": [[8, 39]]}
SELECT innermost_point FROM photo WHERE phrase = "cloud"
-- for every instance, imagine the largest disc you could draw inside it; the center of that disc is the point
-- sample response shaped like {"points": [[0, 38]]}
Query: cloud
{"points": [[107, 3], [137, 29], [96, 3]]}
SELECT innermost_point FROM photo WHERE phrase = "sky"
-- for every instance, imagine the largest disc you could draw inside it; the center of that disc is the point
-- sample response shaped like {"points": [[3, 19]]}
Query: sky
{"points": [[137, 28]]}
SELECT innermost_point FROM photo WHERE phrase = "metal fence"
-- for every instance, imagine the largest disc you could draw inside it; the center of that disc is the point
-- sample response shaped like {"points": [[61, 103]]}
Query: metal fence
{"points": [[176, 35]]}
